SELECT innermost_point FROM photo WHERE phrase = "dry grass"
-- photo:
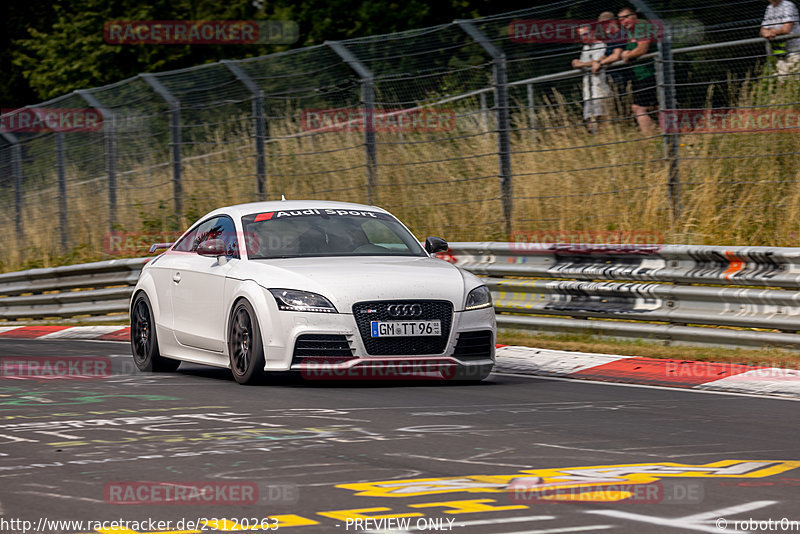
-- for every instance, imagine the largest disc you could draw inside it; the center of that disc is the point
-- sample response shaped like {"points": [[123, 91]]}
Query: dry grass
{"points": [[738, 189]]}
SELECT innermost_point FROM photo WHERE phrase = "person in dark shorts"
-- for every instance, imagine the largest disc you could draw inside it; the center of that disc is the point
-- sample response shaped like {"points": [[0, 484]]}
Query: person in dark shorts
{"points": [[640, 35], [615, 41]]}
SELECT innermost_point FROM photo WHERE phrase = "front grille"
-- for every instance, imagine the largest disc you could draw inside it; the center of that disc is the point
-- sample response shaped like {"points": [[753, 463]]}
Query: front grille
{"points": [[321, 346], [366, 312], [474, 345]]}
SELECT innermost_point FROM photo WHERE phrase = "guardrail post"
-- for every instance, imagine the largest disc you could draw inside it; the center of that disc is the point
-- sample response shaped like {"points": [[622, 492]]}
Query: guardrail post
{"points": [[175, 141], [109, 136], [368, 102], [61, 167], [259, 124], [666, 93], [16, 173], [501, 109]]}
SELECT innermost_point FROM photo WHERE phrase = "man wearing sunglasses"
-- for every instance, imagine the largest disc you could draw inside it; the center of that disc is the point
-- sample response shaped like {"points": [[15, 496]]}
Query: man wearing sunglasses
{"points": [[595, 88]]}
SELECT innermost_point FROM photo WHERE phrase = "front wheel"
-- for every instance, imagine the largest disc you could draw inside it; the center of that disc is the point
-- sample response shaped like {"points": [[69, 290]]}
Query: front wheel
{"points": [[244, 345], [144, 343]]}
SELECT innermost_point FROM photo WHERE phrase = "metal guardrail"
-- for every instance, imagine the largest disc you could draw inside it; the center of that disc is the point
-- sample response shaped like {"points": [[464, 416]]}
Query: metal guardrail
{"points": [[735, 296], [670, 293], [90, 290]]}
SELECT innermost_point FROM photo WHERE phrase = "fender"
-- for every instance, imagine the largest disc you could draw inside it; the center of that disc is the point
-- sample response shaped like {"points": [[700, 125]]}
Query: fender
{"points": [[148, 286], [266, 311]]}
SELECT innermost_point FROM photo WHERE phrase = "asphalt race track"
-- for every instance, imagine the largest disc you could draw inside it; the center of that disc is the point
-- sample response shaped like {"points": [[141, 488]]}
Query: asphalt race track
{"points": [[513, 454]]}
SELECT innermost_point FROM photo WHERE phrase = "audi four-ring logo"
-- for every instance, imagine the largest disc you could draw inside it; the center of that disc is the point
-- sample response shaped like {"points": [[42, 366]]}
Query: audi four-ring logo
{"points": [[404, 310]]}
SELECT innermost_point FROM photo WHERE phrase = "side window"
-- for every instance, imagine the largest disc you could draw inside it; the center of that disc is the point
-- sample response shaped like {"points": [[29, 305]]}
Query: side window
{"points": [[185, 244], [228, 234], [215, 228], [206, 230]]}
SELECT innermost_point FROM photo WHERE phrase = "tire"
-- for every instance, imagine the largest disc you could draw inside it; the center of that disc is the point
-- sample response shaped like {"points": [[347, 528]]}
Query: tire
{"points": [[144, 342], [245, 349]]}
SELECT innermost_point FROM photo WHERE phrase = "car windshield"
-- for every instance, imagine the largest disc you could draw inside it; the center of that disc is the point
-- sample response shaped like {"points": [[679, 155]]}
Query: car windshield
{"points": [[326, 232]]}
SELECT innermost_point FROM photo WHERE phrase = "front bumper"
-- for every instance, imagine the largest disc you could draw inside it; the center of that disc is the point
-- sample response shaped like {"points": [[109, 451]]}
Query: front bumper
{"points": [[280, 342]]}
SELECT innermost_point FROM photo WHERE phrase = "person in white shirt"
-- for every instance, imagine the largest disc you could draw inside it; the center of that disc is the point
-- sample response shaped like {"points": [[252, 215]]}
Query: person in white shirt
{"points": [[595, 86], [781, 18]]}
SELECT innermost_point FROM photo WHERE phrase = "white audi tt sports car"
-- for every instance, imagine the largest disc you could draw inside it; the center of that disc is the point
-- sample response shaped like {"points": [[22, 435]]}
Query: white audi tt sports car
{"points": [[330, 289]]}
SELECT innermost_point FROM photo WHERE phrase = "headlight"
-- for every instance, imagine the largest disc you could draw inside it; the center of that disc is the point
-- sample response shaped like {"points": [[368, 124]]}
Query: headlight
{"points": [[301, 301], [478, 298]]}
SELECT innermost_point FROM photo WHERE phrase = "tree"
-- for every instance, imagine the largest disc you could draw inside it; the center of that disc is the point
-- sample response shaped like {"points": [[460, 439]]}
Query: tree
{"points": [[64, 50]]}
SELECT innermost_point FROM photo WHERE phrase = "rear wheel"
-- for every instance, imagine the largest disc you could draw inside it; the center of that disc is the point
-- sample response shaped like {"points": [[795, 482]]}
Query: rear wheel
{"points": [[144, 343], [244, 345]]}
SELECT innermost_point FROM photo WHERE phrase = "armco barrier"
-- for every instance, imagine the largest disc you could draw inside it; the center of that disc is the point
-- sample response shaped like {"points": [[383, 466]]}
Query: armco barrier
{"points": [[90, 290], [737, 296], [671, 293]]}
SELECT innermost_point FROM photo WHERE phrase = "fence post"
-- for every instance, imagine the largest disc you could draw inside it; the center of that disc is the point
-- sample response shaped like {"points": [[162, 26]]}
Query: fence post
{"points": [[16, 172], [532, 110], [259, 124], [61, 167], [502, 112], [484, 111], [175, 141], [666, 94], [368, 102], [109, 136]]}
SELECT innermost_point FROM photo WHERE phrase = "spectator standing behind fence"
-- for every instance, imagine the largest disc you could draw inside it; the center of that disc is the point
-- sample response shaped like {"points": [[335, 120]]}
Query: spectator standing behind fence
{"points": [[615, 44], [643, 74], [595, 87], [781, 18]]}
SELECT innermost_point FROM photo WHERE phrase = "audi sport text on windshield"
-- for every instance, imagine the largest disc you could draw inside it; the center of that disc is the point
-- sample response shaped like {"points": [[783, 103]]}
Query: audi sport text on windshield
{"points": [[326, 232]]}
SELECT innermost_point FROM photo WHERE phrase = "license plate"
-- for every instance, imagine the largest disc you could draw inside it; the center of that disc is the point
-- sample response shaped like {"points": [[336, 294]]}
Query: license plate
{"points": [[406, 328]]}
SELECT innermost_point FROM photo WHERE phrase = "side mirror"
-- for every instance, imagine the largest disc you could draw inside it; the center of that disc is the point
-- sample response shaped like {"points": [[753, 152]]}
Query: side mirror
{"points": [[436, 244], [212, 247]]}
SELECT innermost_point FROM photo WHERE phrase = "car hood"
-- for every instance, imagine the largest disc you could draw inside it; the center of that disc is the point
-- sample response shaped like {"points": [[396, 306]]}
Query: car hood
{"points": [[345, 281]]}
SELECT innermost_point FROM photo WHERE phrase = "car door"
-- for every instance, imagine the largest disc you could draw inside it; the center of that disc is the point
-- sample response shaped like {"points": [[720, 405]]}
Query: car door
{"points": [[198, 288]]}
